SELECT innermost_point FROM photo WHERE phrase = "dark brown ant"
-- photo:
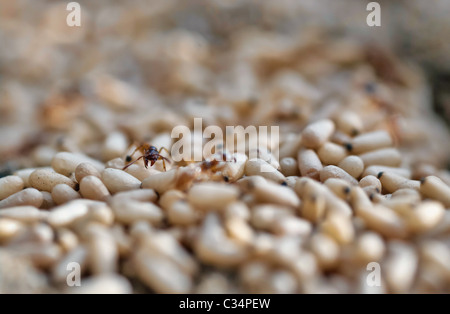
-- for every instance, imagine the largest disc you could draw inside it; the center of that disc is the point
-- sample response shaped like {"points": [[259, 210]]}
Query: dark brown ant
{"points": [[149, 154]]}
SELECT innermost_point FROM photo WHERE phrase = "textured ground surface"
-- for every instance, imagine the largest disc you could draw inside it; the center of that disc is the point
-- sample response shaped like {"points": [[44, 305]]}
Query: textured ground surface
{"points": [[132, 73]]}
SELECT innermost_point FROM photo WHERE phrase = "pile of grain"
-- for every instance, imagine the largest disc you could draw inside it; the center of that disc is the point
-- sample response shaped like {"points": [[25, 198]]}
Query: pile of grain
{"points": [[360, 176]]}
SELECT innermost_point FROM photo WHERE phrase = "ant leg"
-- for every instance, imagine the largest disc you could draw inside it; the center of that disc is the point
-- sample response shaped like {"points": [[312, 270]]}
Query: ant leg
{"points": [[131, 155], [159, 152], [131, 163], [164, 161], [163, 148], [140, 148]]}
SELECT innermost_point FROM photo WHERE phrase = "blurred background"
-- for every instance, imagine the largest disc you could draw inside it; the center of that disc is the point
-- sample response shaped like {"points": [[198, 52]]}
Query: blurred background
{"points": [[140, 67]]}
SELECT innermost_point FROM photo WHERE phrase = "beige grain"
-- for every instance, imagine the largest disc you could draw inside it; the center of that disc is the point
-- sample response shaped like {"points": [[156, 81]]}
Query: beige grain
{"points": [[317, 133], [10, 185], [29, 196]]}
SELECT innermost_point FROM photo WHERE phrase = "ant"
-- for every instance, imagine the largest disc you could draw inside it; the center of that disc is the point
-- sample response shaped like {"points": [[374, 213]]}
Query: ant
{"points": [[205, 170], [215, 165], [149, 154]]}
